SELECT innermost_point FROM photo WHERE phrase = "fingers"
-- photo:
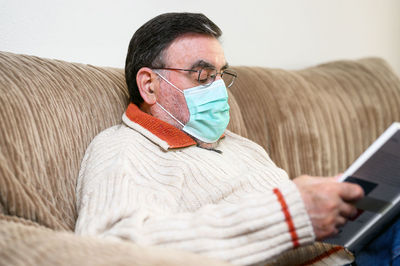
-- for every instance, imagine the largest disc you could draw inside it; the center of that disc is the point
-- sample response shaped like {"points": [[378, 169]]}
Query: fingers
{"points": [[340, 221], [338, 177], [350, 192], [348, 210], [328, 202]]}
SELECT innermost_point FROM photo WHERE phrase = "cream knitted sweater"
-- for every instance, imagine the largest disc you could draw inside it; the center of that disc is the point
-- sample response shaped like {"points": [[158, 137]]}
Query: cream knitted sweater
{"points": [[236, 204]]}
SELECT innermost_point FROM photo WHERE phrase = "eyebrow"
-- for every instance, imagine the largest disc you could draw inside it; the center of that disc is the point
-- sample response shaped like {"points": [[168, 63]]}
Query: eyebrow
{"points": [[202, 63]]}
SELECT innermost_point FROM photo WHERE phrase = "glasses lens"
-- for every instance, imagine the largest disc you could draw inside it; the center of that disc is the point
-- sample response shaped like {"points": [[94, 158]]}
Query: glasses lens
{"points": [[229, 77], [207, 76]]}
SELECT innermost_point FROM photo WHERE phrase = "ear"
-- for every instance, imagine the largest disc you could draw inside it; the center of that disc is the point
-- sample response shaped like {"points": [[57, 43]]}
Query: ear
{"points": [[147, 82]]}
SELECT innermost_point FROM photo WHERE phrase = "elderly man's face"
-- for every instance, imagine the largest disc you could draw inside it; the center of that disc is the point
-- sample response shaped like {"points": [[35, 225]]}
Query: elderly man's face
{"points": [[190, 51]]}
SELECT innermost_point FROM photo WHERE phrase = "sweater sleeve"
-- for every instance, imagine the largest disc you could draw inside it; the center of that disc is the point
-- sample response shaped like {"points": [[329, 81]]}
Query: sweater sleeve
{"points": [[116, 200], [258, 228]]}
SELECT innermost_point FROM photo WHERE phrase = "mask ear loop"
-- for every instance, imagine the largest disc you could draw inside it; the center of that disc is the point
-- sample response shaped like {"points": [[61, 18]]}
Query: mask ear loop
{"points": [[166, 80], [165, 110]]}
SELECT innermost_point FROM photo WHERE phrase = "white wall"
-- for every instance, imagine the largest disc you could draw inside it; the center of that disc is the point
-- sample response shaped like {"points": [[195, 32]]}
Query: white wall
{"points": [[281, 33]]}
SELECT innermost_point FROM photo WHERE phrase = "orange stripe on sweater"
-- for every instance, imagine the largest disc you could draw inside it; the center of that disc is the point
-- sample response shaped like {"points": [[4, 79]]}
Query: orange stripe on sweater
{"points": [[288, 218]]}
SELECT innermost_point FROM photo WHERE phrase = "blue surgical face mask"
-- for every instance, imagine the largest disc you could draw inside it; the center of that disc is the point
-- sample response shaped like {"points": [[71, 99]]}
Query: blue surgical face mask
{"points": [[208, 108]]}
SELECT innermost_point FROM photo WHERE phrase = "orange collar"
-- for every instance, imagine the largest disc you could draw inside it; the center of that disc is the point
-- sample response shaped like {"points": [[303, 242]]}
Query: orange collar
{"points": [[160, 132]]}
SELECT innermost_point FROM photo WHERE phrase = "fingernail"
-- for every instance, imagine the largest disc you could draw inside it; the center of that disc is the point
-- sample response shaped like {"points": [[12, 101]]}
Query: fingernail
{"points": [[338, 177]]}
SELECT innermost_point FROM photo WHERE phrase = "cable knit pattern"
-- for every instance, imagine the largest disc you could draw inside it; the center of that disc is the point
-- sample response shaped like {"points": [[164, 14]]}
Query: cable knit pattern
{"points": [[237, 206]]}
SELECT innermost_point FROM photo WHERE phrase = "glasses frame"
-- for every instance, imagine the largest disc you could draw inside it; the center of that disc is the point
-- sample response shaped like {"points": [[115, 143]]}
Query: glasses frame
{"points": [[225, 71]]}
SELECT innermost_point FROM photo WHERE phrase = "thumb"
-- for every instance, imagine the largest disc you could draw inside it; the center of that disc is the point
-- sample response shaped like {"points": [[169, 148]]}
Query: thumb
{"points": [[351, 192], [338, 177]]}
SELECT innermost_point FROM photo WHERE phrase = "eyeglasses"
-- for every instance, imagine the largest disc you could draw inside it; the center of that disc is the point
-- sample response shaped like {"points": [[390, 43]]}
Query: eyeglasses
{"points": [[207, 75]]}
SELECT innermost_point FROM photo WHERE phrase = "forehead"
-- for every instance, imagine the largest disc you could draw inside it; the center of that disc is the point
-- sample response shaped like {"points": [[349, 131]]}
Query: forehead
{"points": [[188, 49]]}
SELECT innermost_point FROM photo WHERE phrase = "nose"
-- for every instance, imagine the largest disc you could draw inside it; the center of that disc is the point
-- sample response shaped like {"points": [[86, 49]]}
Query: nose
{"points": [[218, 75]]}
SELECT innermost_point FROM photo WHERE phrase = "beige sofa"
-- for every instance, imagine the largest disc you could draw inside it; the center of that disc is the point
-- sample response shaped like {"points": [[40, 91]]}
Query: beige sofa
{"points": [[314, 121]]}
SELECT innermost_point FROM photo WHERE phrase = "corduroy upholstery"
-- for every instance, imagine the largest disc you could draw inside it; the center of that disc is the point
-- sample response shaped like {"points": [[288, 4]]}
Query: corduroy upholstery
{"points": [[318, 120], [312, 121]]}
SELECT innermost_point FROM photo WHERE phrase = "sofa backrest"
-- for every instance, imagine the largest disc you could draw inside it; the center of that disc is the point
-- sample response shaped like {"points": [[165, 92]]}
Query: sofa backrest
{"points": [[50, 110], [320, 119]]}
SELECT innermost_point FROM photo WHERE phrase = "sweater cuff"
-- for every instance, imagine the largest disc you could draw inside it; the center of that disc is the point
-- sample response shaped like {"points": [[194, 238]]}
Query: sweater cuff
{"points": [[296, 216]]}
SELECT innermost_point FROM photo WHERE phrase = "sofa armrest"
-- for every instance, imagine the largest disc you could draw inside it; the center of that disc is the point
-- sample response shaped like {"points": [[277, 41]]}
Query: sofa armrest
{"points": [[25, 244]]}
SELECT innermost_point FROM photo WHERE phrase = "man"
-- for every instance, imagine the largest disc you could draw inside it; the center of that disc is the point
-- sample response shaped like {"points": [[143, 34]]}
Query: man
{"points": [[171, 175]]}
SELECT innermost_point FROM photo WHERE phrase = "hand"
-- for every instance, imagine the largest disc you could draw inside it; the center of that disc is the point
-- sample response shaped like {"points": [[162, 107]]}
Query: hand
{"points": [[328, 203]]}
